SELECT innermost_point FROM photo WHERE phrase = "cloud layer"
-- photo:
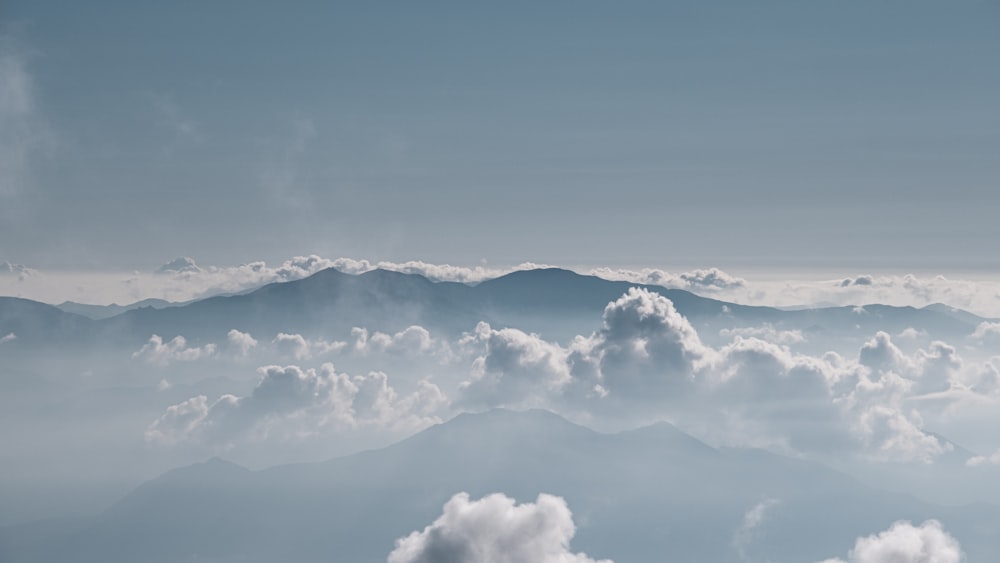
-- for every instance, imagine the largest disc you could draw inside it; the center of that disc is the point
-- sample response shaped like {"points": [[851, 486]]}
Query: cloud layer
{"points": [[647, 361], [290, 403]]}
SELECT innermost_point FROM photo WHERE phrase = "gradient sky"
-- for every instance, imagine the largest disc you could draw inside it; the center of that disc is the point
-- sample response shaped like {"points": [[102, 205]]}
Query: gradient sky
{"points": [[859, 133]]}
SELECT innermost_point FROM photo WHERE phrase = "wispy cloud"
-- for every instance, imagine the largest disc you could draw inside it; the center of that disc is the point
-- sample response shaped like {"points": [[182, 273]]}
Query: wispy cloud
{"points": [[750, 526], [22, 132]]}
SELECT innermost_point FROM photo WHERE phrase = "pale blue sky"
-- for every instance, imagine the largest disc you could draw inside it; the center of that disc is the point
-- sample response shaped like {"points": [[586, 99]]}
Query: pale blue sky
{"points": [[855, 134]]}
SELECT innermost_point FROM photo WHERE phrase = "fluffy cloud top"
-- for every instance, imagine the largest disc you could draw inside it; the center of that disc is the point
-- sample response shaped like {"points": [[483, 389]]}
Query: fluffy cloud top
{"points": [[495, 529], [9, 337], [241, 342], [290, 402], [647, 361], [414, 340], [156, 351], [302, 348], [905, 543]]}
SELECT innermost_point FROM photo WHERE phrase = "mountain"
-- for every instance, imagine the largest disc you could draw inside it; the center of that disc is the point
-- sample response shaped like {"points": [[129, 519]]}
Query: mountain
{"points": [[33, 321], [646, 495], [556, 303], [97, 312]]}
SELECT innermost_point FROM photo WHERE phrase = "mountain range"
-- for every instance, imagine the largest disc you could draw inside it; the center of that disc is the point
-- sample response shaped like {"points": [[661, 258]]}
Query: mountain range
{"points": [[649, 495], [554, 302]]}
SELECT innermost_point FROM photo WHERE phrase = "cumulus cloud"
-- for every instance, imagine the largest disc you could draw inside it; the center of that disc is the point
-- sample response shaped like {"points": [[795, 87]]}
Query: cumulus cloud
{"points": [[645, 352], [414, 341], [495, 529], [9, 337], [290, 402], [241, 342], [515, 368], [647, 361], [912, 333], [986, 329], [905, 543], [156, 351], [302, 348]]}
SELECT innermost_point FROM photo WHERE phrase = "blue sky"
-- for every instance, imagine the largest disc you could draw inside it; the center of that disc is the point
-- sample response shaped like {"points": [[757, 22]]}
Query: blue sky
{"points": [[855, 134]]}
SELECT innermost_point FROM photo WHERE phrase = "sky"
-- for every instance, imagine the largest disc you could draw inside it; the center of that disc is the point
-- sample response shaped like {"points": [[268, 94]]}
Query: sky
{"points": [[854, 135]]}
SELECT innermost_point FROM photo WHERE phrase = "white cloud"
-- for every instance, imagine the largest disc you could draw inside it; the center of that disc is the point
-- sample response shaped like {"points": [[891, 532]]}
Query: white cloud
{"points": [[979, 460], [179, 421], [413, 341], [749, 528], [911, 333], [647, 361], [19, 271], [182, 265], [766, 332], [9, 337], [292, 403], [241, 342], [986, 329], [22, 133], [905, 543], [790, 290], [711, 279], [495, 529], [435, 272], [515, 368], [302, 348], [156, 351]]}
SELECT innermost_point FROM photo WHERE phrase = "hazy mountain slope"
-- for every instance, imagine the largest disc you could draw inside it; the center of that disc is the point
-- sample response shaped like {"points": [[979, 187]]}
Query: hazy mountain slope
{"points": [[33, 322], [649, 495]]}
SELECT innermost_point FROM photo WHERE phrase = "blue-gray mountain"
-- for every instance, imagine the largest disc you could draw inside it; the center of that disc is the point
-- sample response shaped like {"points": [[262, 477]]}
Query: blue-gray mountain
{"points": [[556, 303], [650, 495]]}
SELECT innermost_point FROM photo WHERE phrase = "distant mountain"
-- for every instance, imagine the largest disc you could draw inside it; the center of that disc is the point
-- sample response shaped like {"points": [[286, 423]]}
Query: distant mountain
{"points": [[97, 312], [649, 495], [959, 314], [32, 321], [556, 303]]}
